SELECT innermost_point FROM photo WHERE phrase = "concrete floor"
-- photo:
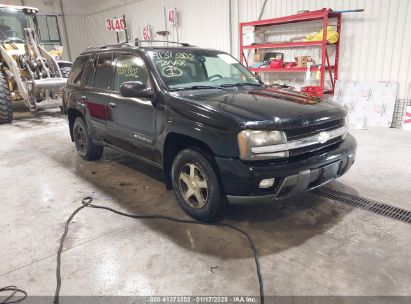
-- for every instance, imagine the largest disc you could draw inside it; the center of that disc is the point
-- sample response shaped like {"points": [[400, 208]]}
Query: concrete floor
{"points": [[312, 247]]}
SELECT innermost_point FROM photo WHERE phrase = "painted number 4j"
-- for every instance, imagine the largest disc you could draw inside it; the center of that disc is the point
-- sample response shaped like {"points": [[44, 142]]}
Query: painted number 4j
{"points": [[115, 24]]}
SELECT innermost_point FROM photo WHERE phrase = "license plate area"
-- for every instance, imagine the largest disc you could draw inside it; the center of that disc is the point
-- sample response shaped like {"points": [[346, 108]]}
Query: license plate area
{"points": [[324, 174], [330, 172]]}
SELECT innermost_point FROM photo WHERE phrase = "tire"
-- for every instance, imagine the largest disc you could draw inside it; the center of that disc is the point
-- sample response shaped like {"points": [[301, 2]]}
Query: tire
{"points": [[84, 143], [196, 185], [6, 110], [65, 71]]}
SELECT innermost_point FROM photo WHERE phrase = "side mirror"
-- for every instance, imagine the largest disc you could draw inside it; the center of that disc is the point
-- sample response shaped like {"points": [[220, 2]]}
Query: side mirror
{"points": [[135, 89]]}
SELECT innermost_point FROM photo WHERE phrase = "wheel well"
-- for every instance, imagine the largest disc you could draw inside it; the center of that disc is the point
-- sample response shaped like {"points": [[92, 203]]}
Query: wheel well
{"points": [[175, 143], [72, 114]]}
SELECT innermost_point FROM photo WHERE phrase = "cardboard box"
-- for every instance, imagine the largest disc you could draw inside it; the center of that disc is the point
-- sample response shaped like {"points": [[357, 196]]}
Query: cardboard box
{"points": [[301, 61], [258, 57]]}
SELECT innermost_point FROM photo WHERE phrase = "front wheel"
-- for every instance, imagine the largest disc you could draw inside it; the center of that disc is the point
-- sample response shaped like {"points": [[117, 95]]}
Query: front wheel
{"points": [[196, 185], [6, 111], [84, 144]]}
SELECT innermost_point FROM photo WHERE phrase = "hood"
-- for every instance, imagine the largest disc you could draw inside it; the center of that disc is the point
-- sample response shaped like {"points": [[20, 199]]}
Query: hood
{"points": [[268, 108]]}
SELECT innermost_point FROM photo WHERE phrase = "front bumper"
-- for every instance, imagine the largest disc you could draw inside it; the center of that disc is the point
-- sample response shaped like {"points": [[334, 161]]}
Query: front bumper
{"points": [[293, 177]]}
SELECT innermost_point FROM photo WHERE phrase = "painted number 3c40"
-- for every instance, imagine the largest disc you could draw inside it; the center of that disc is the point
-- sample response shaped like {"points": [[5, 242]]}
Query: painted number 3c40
{"points": [[115, 24]]}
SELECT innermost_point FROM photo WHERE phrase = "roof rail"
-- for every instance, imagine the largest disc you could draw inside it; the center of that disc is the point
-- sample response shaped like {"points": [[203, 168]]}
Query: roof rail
{"points": [[165, 41], [106, 46], [121, 44], [136, 44]]}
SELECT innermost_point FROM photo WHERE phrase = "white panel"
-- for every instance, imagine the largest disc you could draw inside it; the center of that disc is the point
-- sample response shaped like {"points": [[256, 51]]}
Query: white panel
{"points": [[370, 103]]}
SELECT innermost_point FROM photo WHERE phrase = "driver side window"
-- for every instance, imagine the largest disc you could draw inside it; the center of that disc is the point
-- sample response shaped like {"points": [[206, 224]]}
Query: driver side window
{"points": [[130, 67]]}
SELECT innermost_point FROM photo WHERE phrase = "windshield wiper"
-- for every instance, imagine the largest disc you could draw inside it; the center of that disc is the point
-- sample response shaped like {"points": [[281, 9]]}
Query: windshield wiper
{"points": [[240, 84], [196, 87]]}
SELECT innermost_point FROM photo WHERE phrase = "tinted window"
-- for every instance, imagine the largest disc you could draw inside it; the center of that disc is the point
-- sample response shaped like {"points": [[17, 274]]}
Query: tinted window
{"points": [[104, 72], [91, 71], [77, 70], [130, 67]]}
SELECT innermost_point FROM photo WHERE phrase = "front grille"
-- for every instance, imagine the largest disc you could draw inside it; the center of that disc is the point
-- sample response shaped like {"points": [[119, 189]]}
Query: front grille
{"points": [[313, 129], [315, 148]]}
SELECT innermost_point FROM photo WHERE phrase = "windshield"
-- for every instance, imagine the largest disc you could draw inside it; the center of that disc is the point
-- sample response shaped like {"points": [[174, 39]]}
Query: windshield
{"points": [[196, 69], [12, 23]]}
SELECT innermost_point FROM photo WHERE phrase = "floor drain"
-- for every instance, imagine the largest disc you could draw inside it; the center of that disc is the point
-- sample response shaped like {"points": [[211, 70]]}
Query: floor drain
{"points": [[364, 203]]}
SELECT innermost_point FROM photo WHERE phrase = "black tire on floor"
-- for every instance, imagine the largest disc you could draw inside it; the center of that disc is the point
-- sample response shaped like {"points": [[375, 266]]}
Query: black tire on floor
{"points": [[6, 110], [65, 71], [84, 144], [190, 173]]}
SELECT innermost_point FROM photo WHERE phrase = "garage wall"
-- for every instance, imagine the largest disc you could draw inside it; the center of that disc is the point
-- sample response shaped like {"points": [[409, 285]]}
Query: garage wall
{"points": [[202, 23], [375, 45]]}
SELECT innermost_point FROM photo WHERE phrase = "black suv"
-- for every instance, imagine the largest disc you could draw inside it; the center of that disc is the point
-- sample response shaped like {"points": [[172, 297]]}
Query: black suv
{"points": [[217, 132]]}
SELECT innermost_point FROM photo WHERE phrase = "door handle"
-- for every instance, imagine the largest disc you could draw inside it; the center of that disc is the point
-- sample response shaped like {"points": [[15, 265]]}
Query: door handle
{"points": [[112, 105], [83, 98]]}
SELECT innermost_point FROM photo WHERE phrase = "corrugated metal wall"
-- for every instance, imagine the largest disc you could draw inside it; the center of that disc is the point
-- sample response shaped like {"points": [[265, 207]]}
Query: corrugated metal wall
{"points": [[203, 23], [375, 45]]}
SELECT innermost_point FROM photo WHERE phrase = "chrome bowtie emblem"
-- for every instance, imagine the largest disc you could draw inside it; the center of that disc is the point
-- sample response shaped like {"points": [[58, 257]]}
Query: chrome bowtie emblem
{"points": [[323, 137]]}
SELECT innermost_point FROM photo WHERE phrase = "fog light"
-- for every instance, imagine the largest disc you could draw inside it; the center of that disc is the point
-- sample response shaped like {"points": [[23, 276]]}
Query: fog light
{"points": [[267, 183]]}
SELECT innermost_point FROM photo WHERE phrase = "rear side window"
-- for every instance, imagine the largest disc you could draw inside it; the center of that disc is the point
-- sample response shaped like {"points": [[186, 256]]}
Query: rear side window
{"points": [[104, 72], [77, 70], [130, 67], [91, 71]]}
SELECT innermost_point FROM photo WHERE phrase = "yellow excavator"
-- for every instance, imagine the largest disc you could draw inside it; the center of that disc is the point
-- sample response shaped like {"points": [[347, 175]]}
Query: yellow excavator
{"points": [[27, 71]]}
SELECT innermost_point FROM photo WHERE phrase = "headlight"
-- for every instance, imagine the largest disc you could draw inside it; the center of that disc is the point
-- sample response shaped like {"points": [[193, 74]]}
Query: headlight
{"points": [[249, 139]]}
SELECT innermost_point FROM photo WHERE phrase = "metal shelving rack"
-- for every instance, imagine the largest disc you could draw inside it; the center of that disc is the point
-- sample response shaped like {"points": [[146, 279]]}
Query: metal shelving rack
{"points": [[324, 15]]}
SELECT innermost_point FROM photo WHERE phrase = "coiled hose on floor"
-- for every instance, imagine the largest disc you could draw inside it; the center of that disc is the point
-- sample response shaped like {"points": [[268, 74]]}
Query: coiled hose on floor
{"points": [[87, 202]]}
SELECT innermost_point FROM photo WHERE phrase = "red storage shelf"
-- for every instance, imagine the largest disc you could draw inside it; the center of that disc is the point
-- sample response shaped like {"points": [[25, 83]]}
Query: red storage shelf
{"points": [[286, 70], [308, 16], [324, 15], [282, 45]]}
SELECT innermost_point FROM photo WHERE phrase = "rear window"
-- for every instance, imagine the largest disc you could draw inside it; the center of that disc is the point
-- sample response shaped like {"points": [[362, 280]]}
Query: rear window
{"points": [[77, 70], [104, 72]]}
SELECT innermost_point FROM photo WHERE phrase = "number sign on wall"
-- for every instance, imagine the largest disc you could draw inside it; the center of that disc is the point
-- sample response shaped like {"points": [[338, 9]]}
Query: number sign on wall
{"points": [[147, 32], [172, 16], [115, 24]]}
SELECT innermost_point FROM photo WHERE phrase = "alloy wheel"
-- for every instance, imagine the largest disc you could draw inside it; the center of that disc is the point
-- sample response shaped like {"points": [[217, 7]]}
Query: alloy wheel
{"points": [[193, 185], [81, 140]]}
